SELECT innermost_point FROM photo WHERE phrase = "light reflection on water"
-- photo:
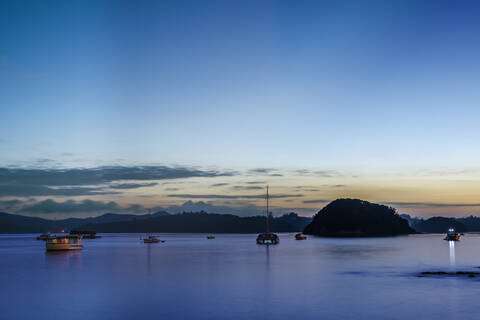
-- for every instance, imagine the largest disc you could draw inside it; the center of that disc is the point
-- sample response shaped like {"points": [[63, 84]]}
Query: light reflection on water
{"points": [[189, 277], [452, 252]]}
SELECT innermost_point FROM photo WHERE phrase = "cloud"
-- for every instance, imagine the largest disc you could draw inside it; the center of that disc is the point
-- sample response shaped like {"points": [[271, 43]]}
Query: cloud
{"points": [[132, 185], [10, 204], [99, 175], [319, 173], [431, 204], [172, 189], [265, 171], [219, 184], [45, 162], [223, 196], [261, 170], [247, 187], [255, 182], [448, 172], [38, 190], [70, 206], [306, 188], [316, 201], [89, 181], [327, 173], [190, 206]]}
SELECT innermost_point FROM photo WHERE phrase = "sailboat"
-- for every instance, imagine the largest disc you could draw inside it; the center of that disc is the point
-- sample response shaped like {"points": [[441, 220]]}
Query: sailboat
{"points": [[150, 238], [268, 237]]}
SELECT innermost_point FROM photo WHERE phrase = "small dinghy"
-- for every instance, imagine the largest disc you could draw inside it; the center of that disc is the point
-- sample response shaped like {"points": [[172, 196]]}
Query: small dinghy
{"points": [[300, 236], [152, 239]]}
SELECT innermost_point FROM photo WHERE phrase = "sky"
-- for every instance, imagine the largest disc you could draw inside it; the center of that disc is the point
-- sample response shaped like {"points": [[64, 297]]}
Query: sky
{"points": [[127, 106]]}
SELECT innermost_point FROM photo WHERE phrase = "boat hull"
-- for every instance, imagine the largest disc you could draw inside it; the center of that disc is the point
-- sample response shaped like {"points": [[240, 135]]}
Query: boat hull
{"points": [[268, 238], [300, 236], [151, 240], [63, 246], [452, 238]]}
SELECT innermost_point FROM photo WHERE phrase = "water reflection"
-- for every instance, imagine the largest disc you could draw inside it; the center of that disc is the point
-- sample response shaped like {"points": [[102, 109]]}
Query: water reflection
{"points": [[149, 260], [452, 252]]}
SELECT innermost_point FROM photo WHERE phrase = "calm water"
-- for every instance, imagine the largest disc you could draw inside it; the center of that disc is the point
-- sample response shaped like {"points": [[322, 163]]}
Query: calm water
{"points": [[230, 277]]}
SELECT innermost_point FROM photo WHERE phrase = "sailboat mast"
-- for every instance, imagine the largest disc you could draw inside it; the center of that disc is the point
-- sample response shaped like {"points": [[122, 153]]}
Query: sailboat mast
{"points": [[268, 214]]}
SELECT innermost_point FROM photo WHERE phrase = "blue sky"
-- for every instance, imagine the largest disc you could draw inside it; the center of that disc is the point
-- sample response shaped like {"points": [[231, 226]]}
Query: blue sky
{"points": [[377, 91]]}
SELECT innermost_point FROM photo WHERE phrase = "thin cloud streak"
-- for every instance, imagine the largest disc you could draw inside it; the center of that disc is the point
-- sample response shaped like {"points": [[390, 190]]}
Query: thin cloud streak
{"points": [[316, 201], [223, 196], [431, 204]]}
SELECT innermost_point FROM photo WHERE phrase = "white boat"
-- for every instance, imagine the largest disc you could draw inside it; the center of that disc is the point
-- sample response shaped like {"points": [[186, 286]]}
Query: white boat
{"points": [[66, 242]]}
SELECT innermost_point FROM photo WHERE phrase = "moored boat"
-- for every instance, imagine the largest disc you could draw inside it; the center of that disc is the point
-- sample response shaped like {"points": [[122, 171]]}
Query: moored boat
{"points": [[151, 239], [267, 237], [300, 236], [210, 237], [86, 234], [44, 236], [452, 235], [67, 242]]}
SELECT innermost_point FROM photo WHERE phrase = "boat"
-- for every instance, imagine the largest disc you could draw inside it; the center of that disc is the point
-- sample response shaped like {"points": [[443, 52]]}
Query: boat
{"points": [[44, 236], [152, 239], [300, 236], [268, 237], [86, 234], [66, 242], [210, 237], [452, 235]]}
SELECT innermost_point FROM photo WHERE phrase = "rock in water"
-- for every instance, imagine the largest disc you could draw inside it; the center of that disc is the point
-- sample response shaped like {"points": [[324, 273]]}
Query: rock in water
{"points": [[357, 218]]}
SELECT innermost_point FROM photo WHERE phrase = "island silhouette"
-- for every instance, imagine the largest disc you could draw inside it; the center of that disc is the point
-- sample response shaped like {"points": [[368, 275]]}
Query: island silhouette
{"points": [[357, 218]]}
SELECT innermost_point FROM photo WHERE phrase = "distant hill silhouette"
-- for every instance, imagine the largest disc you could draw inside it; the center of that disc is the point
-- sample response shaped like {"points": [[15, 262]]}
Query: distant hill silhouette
{"points": [[158, 222], [439, 225], [357, 218], [204, 222], [13, 223], [471, 223]]}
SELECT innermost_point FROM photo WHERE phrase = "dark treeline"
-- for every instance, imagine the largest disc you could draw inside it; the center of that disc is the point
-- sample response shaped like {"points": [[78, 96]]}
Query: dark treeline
{"points": [[441, 224], [204, 222], [157, 222]]}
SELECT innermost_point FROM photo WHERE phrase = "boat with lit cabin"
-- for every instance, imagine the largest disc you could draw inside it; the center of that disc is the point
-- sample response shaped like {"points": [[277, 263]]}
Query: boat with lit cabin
{"points": [[452, 235], [65, 242]]}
